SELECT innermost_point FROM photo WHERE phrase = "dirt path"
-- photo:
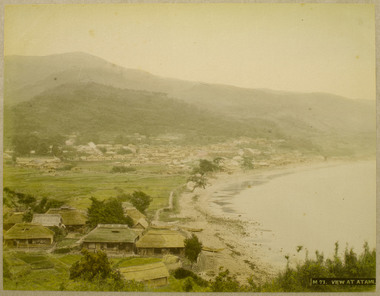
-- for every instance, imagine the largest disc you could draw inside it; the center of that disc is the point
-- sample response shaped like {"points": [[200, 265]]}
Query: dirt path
{"points": [[156, 219]]}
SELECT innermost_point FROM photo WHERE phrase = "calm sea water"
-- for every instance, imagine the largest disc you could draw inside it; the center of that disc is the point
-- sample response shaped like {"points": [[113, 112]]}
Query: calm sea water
{"points": [[310, 207]]}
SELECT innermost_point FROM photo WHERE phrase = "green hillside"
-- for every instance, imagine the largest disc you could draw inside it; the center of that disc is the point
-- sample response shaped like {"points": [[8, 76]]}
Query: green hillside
{"points": [[77, 92], [104, 112]]}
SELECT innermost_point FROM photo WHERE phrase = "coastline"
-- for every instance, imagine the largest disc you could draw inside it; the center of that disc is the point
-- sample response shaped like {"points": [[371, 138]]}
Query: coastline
{"points": [[227, 233]]}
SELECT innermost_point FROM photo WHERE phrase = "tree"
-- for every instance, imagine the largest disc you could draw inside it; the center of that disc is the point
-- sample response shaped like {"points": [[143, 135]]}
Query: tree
{"points": [[28, 216], [91, 265], [198, 180], [247, 163], [192, 248], [206, 166], [107, 212], [140, 200]]}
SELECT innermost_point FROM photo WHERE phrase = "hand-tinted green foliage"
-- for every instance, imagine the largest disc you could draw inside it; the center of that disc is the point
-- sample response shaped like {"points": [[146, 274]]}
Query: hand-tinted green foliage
{"points": [[6, 271], [107, 212], [181, 273], [24, 142], [140, 200], [100, 113], [200, 181], [122, 169], [188, 285], [28, 216], [298, 279], [207, 166], [95, 268], [225, 282], [193, 247], [46, 203], [91, 265], [59, 233], [21, 201], [113, 284]]}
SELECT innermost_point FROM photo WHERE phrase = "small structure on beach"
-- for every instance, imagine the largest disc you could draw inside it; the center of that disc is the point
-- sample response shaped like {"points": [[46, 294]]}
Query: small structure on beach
{"points": [[48, 220], [111, 237], [24, 235], [154, 274], [161, 241], [73, 219]]}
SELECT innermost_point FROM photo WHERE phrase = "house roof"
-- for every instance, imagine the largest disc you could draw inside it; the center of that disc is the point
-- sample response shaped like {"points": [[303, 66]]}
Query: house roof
{"points": [[145, 272], [28, 231], [14, 218], [159, 238], [134, 213], [127, 205], [111, 233], [47, 220], [70, 216], [142, 222]]}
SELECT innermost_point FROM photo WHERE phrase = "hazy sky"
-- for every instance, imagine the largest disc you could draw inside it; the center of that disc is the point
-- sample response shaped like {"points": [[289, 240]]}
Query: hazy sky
{"points": [[300, 47]]}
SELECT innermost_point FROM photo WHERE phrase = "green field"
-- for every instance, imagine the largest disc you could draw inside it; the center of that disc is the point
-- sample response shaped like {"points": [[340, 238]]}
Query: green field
{"points": [[50, 272], [76, 188]]}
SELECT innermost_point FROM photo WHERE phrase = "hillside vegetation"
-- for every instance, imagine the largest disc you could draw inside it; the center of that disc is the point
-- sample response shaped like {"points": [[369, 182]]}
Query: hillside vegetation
{"points": [[101, 113], [77, 92]]}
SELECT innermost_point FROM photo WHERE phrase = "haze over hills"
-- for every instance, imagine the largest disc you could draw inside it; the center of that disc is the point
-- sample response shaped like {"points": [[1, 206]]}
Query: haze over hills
{"points": [[49, 83]]}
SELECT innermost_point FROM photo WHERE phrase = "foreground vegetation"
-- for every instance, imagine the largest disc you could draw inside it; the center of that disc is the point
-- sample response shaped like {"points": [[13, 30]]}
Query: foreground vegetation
{"points": [[24, 271]]}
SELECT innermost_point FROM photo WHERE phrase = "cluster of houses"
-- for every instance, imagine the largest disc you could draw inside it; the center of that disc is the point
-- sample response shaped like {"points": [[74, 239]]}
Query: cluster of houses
{"points": [[141, 239], [177, 158]]}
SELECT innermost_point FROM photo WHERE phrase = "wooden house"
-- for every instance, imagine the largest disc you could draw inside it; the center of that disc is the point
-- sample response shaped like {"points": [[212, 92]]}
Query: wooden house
{"points": [[48, 220], [161, 241], [154, 274], [73, 219], [111, 237], [23, 235]]}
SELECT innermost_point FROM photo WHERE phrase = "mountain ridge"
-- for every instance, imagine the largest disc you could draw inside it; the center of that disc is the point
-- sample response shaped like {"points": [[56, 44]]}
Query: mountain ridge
{"points": [[310, 116]]}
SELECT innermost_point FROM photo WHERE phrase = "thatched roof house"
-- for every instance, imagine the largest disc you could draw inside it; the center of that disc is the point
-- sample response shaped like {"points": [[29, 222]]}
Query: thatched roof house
{"points": [[48, 220], [161, 241], [154, 274], [73, 219], [131, 211], [12, 219], [141, 224], [28, 235], [111, 237]]}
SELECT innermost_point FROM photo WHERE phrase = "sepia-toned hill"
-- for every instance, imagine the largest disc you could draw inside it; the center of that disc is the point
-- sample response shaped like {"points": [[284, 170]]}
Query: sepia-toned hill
{"points": [[315, 120]]}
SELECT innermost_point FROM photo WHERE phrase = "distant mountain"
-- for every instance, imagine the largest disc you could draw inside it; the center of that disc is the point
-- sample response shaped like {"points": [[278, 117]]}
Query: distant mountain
{"points": [[107, 112], [326, 120], [27, 76]]}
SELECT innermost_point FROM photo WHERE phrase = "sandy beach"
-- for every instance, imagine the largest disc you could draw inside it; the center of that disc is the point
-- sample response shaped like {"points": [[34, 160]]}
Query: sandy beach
{"points": [[226, 235]]}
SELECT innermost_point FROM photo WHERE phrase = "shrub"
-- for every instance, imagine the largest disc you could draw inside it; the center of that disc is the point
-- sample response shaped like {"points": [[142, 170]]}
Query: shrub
{"points": [[181, 273], [122, 169], [193, 247]]}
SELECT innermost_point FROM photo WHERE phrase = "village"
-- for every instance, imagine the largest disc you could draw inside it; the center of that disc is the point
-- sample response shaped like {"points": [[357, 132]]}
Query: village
{"points": [[261, 152], [142, 239], [149, 236]]}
